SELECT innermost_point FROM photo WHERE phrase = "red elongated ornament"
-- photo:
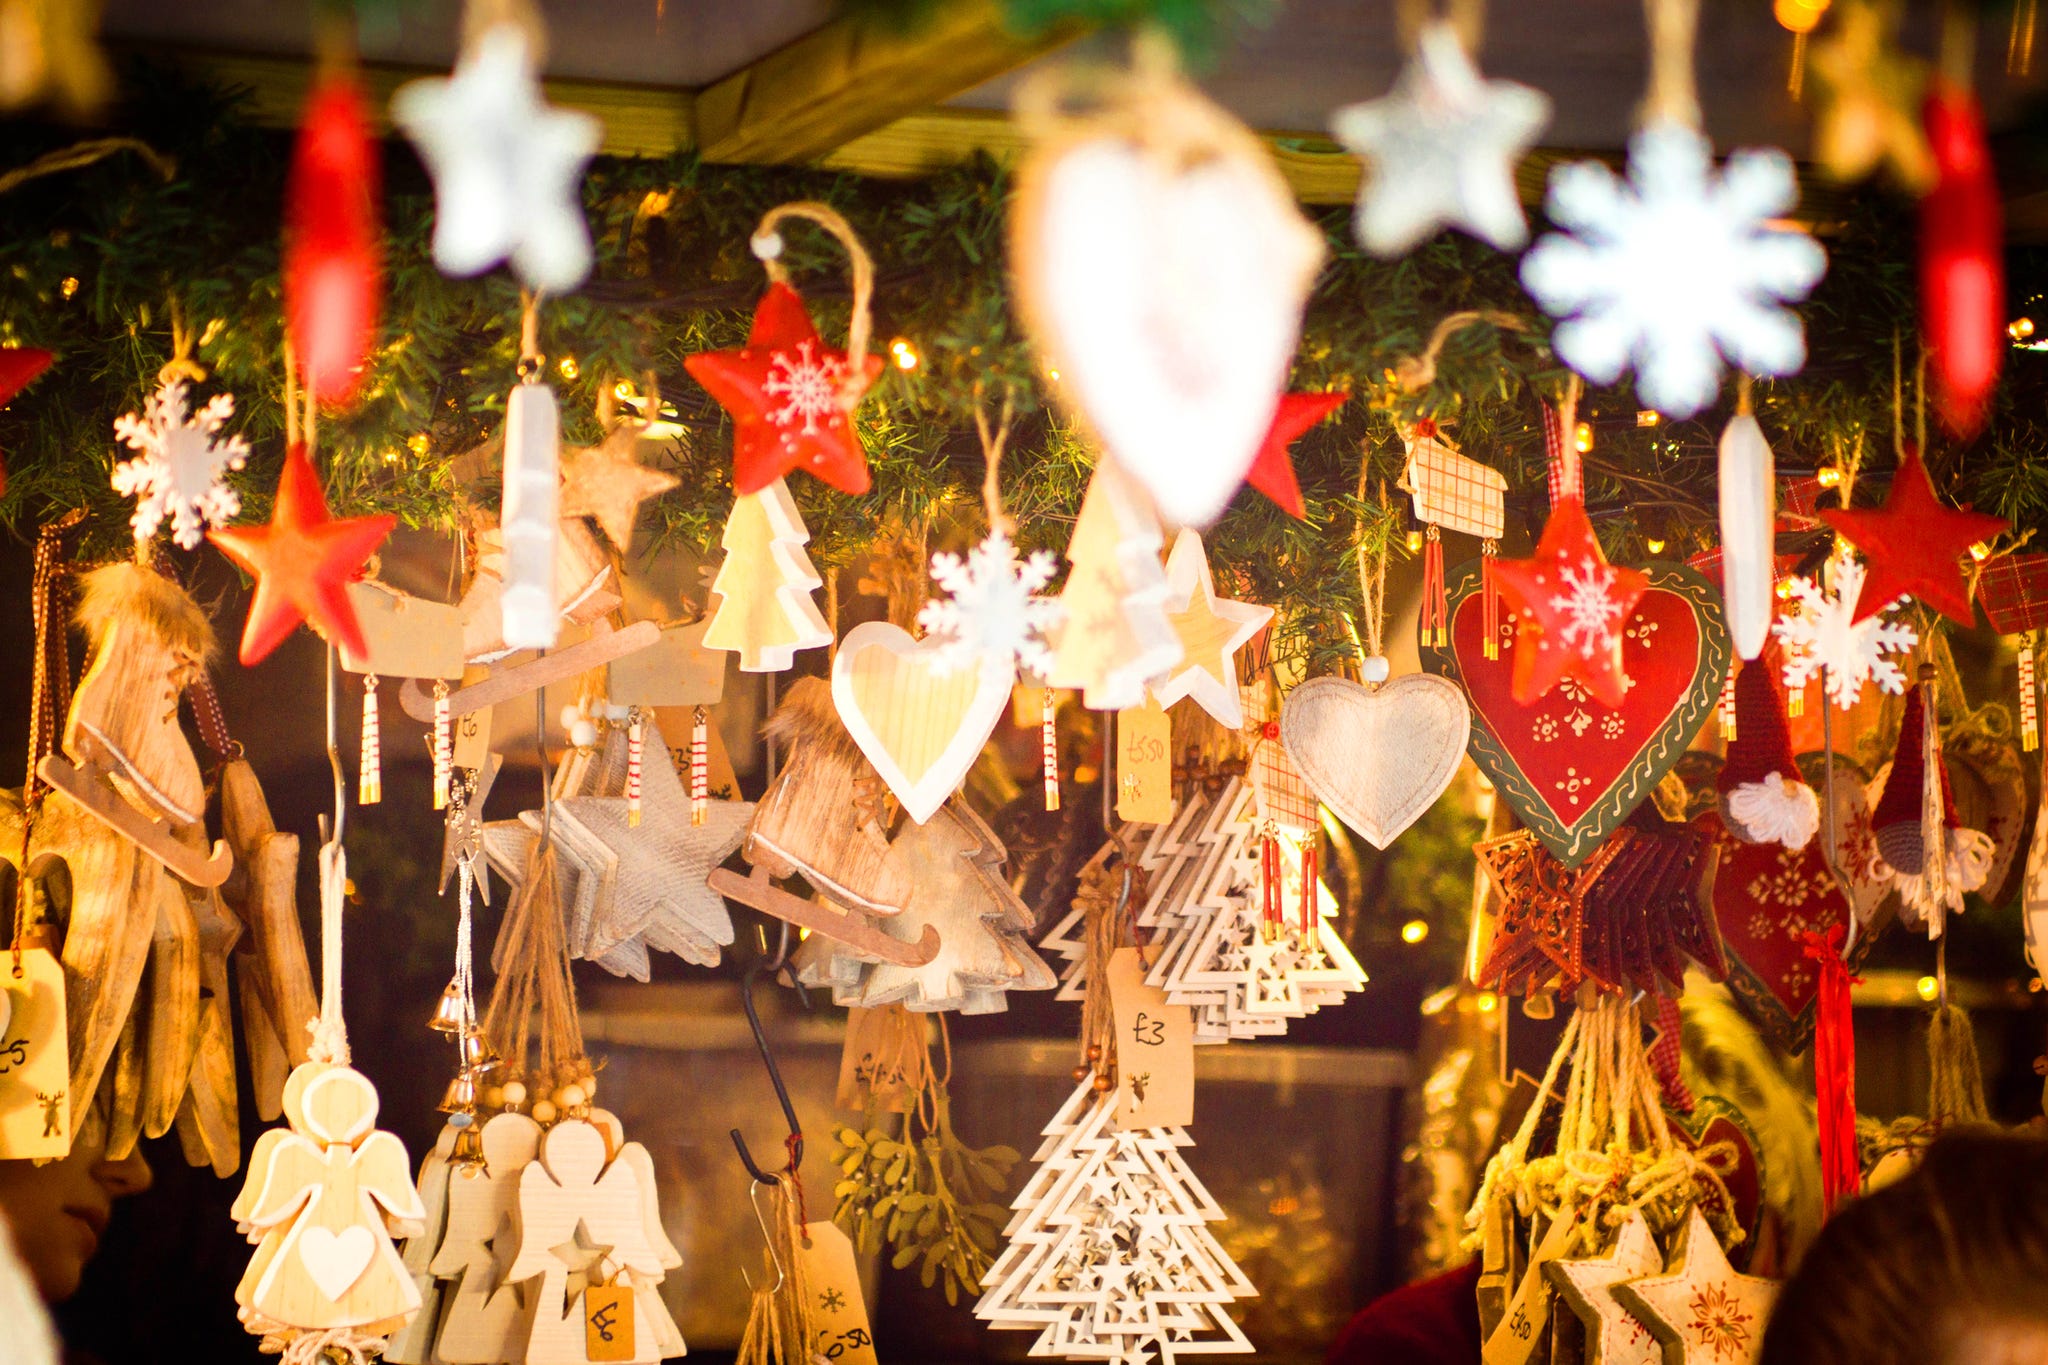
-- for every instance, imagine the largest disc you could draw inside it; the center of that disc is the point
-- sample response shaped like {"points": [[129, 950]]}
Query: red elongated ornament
{"points": [[333, 253], [1962, 266]]}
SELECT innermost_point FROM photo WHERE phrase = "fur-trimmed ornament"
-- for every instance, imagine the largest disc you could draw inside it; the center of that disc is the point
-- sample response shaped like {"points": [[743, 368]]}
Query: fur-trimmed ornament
{"points": [[1763, 798], [1915, 822]]}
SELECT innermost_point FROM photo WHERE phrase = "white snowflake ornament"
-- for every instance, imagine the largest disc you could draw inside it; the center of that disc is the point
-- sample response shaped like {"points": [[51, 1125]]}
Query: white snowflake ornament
{"points": [[507, 166], [994, 610], [1822, 633], [1441, 150], [177, 469], [1675, 267]]}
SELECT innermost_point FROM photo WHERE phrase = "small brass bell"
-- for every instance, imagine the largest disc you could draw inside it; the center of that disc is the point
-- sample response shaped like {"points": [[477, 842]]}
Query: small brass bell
{"points": [[448, 1012], [461, 1095], [476, 1052], [467, 1155]]}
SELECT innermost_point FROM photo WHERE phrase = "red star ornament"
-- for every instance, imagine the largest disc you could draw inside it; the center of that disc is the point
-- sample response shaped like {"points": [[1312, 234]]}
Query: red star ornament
{"points": [[19, 366], [1572, 605], [302, 562], [1272, 471], [1914, 544], [789, 399]]}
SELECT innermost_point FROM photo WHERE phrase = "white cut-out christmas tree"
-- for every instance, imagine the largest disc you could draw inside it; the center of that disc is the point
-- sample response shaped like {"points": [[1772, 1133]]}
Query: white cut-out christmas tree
{"points": [[762, 608], [1116, 636]]}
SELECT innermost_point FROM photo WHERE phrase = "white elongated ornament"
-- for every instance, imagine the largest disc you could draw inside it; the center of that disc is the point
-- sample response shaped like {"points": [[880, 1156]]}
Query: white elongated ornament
{"points": [[1749, 512], [532, 483]]}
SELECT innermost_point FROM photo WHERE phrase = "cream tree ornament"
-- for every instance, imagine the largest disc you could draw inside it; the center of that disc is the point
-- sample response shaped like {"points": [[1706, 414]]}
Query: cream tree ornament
{"points": [[1440, 150], [507, 166]]}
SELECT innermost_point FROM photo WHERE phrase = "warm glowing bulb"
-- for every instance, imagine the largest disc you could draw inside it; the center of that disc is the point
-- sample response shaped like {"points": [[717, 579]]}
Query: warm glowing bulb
{"points": [[390, 457], [622, 389], [2019, 329], [1829, 477], [906, 358], [417, 442], [1784, 589], [1053, 375], [1980, 552], [568, 367], [1488, 1002], [1414, 542], [1654, 546], [1799, 16], [69, 286], [1927, 987], [1414, 931], [1648, 417], [1582, 439]]}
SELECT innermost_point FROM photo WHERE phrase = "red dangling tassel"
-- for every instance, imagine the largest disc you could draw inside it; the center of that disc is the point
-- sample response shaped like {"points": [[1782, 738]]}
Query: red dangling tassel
{"points": [[633, 736], [1834, 1070], [1436, 606], [1311, 907], [700, 768], [1664, 1056], [1728, 708], [370, 759], [444, 746], [1049, 749], [2030, 699], [1489, 599], [1271, 912]]}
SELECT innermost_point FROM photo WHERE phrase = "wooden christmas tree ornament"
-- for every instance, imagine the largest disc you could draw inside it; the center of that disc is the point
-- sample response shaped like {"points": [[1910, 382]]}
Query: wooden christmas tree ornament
{"points": [[762, 608]]}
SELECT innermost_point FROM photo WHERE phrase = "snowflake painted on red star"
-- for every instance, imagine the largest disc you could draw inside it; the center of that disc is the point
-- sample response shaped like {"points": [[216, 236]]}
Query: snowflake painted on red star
{"points": [[1591, 613], [809, 385]]}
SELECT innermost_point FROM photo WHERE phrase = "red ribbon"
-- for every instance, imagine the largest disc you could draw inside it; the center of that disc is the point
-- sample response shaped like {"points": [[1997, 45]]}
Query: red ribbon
{"points": [[1834, 1069]]}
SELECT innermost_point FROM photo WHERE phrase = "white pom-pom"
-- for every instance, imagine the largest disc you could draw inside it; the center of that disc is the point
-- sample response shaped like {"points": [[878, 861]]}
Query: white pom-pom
{"points": [[583, 734], [1774, 811], [571, 714], [767, 245], [1376, 669]]}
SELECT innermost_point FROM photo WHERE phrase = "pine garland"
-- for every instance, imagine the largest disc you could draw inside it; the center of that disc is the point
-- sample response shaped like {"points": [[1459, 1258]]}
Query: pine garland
{"points": [[92, 261]]}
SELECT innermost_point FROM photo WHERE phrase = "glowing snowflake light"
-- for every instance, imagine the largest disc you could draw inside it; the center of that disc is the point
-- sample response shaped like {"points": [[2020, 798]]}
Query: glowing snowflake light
{"points": [[1675, 267], [176, 472], [994, 607], [1822, 633]]}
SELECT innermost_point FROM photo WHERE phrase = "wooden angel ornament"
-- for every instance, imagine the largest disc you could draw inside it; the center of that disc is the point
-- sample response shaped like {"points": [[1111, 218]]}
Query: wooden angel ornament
{"points": [[486, 1316], [322, 1202]]}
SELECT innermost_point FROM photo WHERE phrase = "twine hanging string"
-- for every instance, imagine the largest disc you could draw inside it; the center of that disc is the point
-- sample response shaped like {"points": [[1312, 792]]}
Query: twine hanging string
{"points": [[82, 154], [1417, 372], [993, 442], [768, 246], [1372, 566], [779, 1322], [1673, 95], [1468, 17], [330, 1029]]}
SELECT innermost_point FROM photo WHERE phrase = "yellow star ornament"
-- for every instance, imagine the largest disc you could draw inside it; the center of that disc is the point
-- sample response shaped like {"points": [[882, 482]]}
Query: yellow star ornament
{"points": [[1700, 1309], [1211, 629], [1868, 114]]}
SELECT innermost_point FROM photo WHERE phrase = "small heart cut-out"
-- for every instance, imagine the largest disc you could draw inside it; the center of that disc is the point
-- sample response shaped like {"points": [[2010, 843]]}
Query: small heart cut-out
{"points": [[336, 1260], [1377, 757], [921, 726]]}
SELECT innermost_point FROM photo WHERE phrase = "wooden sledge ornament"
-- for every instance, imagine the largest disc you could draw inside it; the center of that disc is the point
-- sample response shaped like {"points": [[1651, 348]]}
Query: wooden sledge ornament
{"points": [[604, 646]]}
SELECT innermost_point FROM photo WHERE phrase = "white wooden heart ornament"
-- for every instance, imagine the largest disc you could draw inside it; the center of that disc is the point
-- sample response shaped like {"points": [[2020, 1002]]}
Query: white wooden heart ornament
{"points": [[336, 1260], [1377, 757], [921, 725], [1162, 266]]}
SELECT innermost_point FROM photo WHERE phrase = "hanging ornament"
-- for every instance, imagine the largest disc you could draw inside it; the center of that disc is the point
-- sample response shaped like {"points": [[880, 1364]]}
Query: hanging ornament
{"points": [[607, 483], [1161, 266], [1378, 754], [1572, 607], [1117, 635], [302, 561], [1763, 798], [1749, 495], [1441, 149], [1915, 544], [1962, 261], [444, 746], [1827, 634], [993, 608], [370, 751], [507, 166], [1674, 268], [527, 607], [176, 472], [1701, 1309], [762, 608], [1272, 471], [1450, 492], [790, 396], [1049, 746], [2030, 698], [1868, 114], [921, 722], [1915, 821], [1212, 630], [333, 264], [1586, 1285]]}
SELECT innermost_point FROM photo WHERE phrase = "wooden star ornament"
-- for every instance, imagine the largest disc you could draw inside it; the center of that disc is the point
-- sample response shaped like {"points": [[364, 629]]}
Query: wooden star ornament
{"points": [[1211, 629], [791, 398], [1701, 1310], [1868, 113], [1272, 471], [302, 561], [607, 483], [462, 840], [1614, 1336], [1572, 605], [1914, 544]]}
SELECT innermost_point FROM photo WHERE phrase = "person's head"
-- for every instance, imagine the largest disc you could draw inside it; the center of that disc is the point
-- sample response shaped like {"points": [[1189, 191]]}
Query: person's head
{"points": [[59, 1210], [1949, 1266]]}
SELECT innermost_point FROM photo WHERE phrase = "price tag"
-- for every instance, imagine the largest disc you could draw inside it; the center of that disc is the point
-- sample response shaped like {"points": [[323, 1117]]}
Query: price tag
{"points": [[1514, 1341], [608, 1322], [1144, 765], [404, 636], [837, 1305], [1155, 1049], [472, 737], [675, 670], [35, 1061], [883, 1060]]}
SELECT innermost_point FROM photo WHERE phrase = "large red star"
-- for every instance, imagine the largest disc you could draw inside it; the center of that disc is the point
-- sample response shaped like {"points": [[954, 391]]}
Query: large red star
{"points": [[1914, 544], [1272, 471], [789, 399], [1571, 603], [302, 562], [19, 365]]}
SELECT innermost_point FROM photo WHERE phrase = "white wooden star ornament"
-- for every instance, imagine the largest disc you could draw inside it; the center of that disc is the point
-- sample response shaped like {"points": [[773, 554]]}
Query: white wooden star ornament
{"points": [[1702, 1310], [1440, 150], [1212, 630], [1614, 1336], [507, 166]]}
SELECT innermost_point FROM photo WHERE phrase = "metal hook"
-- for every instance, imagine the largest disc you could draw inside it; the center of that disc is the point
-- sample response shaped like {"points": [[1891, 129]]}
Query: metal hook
{"points": [[796, 1135], [774, 1257]]}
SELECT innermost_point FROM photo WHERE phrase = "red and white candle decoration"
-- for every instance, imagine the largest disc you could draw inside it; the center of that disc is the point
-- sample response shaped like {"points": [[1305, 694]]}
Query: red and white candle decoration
{"points": [[2030, 699], [700, 766], [369, 759], [1049, 749], [444, 746], [635, 734]]}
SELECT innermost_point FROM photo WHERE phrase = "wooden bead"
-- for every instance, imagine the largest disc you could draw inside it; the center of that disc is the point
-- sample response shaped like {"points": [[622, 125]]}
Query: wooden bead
{"points": [[543, 1111], [1103, 1083], [570, 1097], [1094, 1053], [1080, 1073], [515, 1092]]}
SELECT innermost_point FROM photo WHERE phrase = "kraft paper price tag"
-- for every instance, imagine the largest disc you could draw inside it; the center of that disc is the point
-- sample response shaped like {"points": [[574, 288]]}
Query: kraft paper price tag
{"points": [[675, 670], [1155, 1049], [883, 1060], [35, 1062], [1514, 1341], [608, 1322], [1144, 765], [837, 1305], [404, 636], [471, 742]]}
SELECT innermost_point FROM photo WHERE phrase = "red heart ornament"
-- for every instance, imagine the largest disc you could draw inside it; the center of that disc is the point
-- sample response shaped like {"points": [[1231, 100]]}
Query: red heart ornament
{"points": [[1570, 767], [1714, 1121]]}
